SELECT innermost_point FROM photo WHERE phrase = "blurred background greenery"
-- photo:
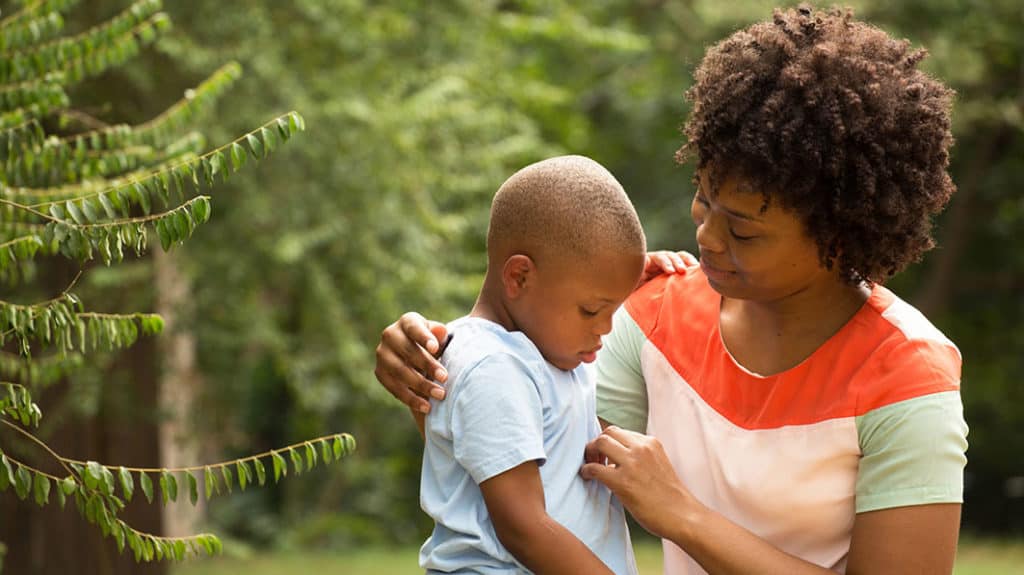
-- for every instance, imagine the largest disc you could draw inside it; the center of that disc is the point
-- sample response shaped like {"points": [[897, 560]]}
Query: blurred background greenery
{"points": [[416, 112]]}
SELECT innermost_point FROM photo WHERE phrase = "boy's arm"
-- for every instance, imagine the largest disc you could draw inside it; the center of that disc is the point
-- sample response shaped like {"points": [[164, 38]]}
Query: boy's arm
{"points": [[515, 502]]}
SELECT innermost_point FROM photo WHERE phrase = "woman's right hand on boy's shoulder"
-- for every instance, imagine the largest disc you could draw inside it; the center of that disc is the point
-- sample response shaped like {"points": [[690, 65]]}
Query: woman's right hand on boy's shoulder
{"points": [[405, 354]]}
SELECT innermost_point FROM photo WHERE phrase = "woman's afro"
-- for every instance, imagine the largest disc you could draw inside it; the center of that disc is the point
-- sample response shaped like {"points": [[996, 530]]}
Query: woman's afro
{"points": [[830, 118]]}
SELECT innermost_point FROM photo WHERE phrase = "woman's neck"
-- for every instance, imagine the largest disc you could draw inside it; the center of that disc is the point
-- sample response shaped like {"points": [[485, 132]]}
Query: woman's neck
{"points": [[768, 337]]}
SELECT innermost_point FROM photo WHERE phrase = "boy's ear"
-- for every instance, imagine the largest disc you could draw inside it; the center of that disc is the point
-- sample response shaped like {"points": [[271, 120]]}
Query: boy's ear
{"points": [[518, 275]]}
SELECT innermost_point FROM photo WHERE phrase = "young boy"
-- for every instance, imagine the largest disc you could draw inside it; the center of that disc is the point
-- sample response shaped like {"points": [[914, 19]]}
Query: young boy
{"points": [[500, 467]]}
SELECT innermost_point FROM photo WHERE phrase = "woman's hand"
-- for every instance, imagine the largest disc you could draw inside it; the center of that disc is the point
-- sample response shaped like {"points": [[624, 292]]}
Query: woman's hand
{"points": [[405, 362], [635, 467], [665, 262]]}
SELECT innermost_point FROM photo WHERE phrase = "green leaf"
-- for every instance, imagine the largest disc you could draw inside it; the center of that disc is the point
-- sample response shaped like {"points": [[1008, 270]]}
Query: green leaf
{"points": [[237, 156], [280, 467], [201, 209], [6, 473], [57, 211], [325, 451], [147, 486], [193, 488], [168, 486], [339, 448], [108, 206], [127, 485], [228, 480], [89, 211], [268, 141], [210, 483], [254, 146], [164, 234], [22, 482], [296, 460], [243, 474], [310, 456], [261, 473], [42, 489], [93, 474], [76, 214], [68, 485]]}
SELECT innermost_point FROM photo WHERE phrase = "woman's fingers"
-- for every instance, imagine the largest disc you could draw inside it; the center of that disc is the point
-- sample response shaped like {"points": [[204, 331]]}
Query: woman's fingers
{"points": [[666, 262], [689, 260], [403, 360]]}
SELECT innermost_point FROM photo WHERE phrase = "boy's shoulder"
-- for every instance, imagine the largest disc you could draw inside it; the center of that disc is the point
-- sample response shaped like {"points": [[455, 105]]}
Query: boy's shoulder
{"points": [[476, 341]]}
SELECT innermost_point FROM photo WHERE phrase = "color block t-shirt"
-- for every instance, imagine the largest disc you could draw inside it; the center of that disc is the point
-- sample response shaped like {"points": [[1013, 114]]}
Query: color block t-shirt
{"points": [[506, 406], [871, 420]]}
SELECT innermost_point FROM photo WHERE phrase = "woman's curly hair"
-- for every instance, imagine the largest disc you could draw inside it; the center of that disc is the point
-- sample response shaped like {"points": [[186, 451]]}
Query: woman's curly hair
{"points": [[830, 117]]}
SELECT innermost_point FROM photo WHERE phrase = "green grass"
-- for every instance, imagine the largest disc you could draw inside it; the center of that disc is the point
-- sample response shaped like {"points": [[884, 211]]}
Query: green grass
{"points": [[975, 557]]}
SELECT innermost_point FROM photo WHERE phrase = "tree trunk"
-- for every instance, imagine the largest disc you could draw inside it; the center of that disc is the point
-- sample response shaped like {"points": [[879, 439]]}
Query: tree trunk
{"points": [[179, 381]]}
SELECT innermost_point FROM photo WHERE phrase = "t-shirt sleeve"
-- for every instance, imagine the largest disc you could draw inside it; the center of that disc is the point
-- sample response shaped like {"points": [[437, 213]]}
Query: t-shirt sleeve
{"points": [[621, 389], [497, 418], [913, 453]]}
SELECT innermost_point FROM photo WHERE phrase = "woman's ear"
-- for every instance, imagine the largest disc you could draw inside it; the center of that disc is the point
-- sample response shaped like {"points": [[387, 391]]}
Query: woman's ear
{"points": [[518, 275]]}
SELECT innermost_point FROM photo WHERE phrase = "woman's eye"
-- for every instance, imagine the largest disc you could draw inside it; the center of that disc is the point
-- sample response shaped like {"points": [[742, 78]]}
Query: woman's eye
{"points": [[739, 237]]}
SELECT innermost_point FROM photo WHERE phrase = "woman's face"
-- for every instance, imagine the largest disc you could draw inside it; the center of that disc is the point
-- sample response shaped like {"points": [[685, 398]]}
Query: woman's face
{"points": [[749, 254]]}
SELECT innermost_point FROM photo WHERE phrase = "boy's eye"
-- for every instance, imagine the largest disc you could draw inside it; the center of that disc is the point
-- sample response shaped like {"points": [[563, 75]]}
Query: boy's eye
{"points": [[588, 312]]}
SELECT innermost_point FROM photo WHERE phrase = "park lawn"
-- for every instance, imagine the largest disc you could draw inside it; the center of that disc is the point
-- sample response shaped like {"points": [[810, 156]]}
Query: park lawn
{"points": [[975, 557]]}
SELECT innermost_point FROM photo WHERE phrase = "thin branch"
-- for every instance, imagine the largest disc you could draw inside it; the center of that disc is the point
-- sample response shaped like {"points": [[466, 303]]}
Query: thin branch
{"points": [[193, 468], [42, 444]]}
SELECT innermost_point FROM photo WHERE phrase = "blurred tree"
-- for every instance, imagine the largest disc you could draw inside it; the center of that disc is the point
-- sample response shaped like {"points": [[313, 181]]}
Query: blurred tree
{"points": [[73, 187]]}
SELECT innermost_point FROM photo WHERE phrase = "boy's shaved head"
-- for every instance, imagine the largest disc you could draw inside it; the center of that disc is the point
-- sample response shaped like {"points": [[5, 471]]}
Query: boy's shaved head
{"points": [[568, 205]]}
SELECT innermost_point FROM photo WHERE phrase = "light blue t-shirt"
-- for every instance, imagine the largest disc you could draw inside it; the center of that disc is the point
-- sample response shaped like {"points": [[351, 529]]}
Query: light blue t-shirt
{"points": [[506, 405]]}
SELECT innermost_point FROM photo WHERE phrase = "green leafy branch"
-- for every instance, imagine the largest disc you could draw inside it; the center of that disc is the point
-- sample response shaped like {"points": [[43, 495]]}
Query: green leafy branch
{"points": [[39, 371], [31, 31], [94, 48], [95, 487], [98, 506], [33, 11], [16, 403], [62, 323], [157, 131], [48, 92], [80, 64]]}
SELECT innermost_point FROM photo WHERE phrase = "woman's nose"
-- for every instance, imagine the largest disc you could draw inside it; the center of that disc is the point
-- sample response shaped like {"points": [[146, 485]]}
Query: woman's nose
{"points": [[709, 236]]}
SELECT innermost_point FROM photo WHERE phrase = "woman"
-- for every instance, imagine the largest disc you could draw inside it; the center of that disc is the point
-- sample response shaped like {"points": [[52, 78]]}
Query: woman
{"points": [[801, 418]]}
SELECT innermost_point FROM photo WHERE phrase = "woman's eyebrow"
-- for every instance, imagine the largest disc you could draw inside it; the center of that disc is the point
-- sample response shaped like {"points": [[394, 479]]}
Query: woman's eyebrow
{"points": [[741, 215]]}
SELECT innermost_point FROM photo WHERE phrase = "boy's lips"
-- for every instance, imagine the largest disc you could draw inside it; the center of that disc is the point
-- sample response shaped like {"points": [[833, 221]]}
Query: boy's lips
{"points": [[590, 356]]}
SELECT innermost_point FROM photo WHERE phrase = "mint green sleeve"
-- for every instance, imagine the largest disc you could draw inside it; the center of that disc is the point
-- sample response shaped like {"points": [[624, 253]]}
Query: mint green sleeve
{"points": [[621, 390], [913, 452]]}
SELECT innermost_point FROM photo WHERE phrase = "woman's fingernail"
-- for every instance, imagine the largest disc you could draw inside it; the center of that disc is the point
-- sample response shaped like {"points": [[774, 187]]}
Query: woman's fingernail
{"points": [[425, 408], [440, 375], [437, 393]]}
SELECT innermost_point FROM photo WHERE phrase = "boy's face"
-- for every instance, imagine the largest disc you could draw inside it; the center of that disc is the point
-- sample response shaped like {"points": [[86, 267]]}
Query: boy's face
{"points": [[569, 305]]}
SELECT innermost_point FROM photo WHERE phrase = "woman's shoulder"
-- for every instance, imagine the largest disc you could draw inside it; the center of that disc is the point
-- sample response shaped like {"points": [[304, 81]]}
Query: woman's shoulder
{"points": [[672, 301], [904, 354]]}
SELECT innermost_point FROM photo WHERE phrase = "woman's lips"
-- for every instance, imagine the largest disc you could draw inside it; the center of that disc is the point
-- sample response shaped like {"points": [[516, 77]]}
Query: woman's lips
{"points": [[714, 273]]}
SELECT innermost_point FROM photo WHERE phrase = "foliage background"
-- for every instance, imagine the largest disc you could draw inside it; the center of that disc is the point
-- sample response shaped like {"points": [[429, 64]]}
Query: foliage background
{"points": [[416, 112]]}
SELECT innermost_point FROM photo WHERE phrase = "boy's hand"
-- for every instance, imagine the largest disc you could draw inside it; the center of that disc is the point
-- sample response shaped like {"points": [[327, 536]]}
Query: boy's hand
{"points": [[666, 262], [405, 354]]}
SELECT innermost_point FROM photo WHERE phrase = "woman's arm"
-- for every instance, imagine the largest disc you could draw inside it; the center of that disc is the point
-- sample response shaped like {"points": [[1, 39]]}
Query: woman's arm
{"points": [[406, 365], [515, 502], [919, 539]]}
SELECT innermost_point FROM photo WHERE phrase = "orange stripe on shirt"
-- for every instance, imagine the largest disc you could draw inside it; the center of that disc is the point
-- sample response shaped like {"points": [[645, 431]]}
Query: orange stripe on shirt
{"points": [[869, 363]]}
